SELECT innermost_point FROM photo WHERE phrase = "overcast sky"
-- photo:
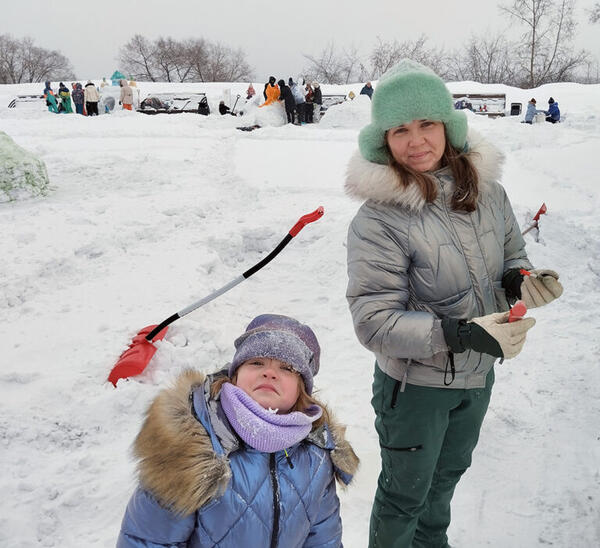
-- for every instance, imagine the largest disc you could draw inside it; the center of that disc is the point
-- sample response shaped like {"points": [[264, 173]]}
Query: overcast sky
{"points": [[273, 33]]}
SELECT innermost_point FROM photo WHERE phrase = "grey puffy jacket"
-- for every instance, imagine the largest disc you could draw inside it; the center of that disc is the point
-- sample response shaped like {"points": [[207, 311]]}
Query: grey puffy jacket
{"points": [[411, 263]]}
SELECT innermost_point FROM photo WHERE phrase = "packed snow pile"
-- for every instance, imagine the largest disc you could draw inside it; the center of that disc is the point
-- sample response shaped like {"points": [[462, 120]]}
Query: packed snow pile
{"points": [[22, 175], [349, 114]]}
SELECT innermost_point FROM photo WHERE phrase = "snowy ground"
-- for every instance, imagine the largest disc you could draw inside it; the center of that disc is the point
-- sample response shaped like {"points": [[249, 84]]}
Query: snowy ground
{"points": [[150, 213]]}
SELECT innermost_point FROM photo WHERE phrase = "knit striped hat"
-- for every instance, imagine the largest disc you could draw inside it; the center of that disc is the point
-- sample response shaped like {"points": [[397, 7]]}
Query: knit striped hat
{"points": [[406, 92]]}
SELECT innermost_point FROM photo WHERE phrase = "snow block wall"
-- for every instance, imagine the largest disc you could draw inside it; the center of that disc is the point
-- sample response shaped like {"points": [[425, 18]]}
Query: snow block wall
{"points": [[22, 174]]}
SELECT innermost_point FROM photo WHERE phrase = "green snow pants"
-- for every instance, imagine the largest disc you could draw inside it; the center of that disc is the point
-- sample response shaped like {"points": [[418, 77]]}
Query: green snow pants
{"points": [[427, 436]]}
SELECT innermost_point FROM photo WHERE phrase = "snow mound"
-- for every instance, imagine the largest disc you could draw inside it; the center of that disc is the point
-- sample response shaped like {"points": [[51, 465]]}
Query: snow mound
{"points": [[22, 175], [271, 115], [349, 114]]}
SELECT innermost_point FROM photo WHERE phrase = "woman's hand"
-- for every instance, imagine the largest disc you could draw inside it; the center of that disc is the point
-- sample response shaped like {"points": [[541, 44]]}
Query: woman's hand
{"points": [[540, 288], [491, 334], [536, 288]]}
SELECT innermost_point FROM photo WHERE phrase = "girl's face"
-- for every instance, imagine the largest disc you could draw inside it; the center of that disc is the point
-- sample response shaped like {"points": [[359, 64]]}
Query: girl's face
{"points": [[418, 145], [269, 382]]}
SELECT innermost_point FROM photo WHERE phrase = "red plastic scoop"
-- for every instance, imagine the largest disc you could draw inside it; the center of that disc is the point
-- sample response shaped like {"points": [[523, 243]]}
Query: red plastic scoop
{"points": [[517, 311]]}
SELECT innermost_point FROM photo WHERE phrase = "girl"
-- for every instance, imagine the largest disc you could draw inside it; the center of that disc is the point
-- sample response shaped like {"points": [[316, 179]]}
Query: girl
{"points": [[243, 457], [433, 255]]}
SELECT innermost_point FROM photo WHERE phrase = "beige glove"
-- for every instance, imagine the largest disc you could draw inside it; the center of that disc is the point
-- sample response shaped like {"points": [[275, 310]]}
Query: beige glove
{"points": [[509, 336], [541, 288]]}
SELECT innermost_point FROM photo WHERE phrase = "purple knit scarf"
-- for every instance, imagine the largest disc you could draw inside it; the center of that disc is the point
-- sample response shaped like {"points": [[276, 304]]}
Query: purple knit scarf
{"points": [[262, 429]]}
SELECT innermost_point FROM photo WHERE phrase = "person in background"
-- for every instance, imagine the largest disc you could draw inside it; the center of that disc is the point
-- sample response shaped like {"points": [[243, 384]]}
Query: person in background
{"points": [[104, 82], [78, 96], [224, 109], [271, 92], [435, 256], [299, 100], [244, 457], [91, 97], [132, 82], [250, 92], [50, 98], [308, 107], [531, 111], [286, 95], [317, 101], [126, 97], [270, 83], [367, 90], [553, 112], [65, 99]]}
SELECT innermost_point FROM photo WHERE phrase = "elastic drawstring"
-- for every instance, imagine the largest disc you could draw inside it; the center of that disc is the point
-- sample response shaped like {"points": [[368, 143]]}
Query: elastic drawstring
{"points": [[450, 361], [288, 459]]}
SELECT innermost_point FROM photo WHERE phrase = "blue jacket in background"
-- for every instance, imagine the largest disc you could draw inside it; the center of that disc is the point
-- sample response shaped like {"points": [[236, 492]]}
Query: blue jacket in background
{"points": [[201, 486], [366, 90], [553, 111], [531, 112]]}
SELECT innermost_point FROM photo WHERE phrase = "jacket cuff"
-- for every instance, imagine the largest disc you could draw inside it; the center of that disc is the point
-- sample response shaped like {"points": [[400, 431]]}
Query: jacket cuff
{"points": [[450, 327], [438, 341]]}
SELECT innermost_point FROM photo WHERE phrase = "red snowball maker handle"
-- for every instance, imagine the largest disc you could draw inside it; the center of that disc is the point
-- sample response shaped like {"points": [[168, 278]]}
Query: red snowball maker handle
{"points": [[305, 219], [517, 311]]}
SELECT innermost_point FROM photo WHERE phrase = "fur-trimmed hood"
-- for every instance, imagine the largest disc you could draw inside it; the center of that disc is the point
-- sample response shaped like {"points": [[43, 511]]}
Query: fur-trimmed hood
{"points": [[370, 181], [177, 460]]}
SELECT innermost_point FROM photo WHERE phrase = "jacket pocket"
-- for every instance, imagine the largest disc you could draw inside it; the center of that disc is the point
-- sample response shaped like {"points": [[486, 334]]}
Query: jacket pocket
{"points": [[409, 449], [451, 306]]}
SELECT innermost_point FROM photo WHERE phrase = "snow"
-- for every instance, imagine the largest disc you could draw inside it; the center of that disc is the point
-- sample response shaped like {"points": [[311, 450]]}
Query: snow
{"points": [[149, 213], [22, 175]]}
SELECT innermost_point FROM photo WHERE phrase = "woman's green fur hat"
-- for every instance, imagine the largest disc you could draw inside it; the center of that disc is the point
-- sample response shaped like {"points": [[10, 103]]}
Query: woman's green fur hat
{"points": [[409, 91]]}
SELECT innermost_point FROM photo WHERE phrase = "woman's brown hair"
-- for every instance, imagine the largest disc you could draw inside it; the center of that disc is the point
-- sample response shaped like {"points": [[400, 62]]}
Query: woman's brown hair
{"points": [[464, 173], [303, 402]]}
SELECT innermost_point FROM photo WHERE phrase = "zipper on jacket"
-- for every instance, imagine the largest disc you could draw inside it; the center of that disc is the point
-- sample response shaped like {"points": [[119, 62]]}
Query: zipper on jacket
{"points": [[289, 460], [464, 256], [410, 449], [276, 509]]}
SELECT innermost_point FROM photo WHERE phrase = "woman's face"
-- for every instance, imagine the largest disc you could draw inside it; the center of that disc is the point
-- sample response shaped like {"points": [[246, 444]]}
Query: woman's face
{"points": [[418, 145], [269, 382]]}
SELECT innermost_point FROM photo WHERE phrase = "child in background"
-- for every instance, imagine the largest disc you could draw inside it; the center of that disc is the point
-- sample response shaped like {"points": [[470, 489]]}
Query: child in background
{"points": [[245, 456]]}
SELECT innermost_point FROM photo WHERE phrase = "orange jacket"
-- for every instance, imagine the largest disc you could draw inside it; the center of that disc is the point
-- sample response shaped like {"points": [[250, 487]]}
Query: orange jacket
{"points": [[272, 95]]}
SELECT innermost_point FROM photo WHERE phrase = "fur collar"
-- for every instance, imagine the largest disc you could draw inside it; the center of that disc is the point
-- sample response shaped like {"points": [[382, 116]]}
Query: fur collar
{"points": [[177, 462], [369, 181]]}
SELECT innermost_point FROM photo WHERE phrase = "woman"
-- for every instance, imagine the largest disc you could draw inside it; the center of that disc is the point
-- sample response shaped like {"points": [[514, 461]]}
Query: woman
{"points": [[433, 255], [244, 457]]}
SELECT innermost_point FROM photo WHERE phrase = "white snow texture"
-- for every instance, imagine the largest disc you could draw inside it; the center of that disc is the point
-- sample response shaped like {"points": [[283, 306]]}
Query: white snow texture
{"points": [[149, 213]]}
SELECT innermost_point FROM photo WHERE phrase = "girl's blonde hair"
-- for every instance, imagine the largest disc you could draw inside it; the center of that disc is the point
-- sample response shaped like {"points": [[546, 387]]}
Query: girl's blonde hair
{"points": [[303, 402], [465, 175]]}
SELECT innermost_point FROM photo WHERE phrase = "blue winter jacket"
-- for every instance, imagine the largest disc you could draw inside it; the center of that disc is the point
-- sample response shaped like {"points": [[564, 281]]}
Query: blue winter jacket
{"points": [[531, 112], [553, 111], [201, 486]]}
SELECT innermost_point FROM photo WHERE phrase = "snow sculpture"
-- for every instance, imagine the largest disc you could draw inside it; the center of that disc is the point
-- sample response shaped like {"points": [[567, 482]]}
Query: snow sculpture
{"points": [[22, 175]]}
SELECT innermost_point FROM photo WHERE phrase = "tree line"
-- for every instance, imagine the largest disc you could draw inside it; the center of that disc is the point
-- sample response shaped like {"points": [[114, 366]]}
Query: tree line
{"points": [[193, 60], [543, 52], [22, 61]]}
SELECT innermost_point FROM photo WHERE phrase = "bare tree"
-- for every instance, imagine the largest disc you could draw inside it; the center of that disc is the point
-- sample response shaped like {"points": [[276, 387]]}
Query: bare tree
{"points": [[23, 61], [484, 59], [137, 57], [546, 44], [327, 67], [386, 54], [192, 60], [595, 13]]}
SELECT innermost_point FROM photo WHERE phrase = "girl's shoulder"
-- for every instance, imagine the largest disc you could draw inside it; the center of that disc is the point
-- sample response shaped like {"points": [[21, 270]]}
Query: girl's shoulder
{"points": [[177, 462]]}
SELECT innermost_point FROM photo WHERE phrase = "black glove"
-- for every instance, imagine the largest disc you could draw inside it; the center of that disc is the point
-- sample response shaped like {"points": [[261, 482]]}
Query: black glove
{"points": [[461, 335], [491, 334], [511, 282]]}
